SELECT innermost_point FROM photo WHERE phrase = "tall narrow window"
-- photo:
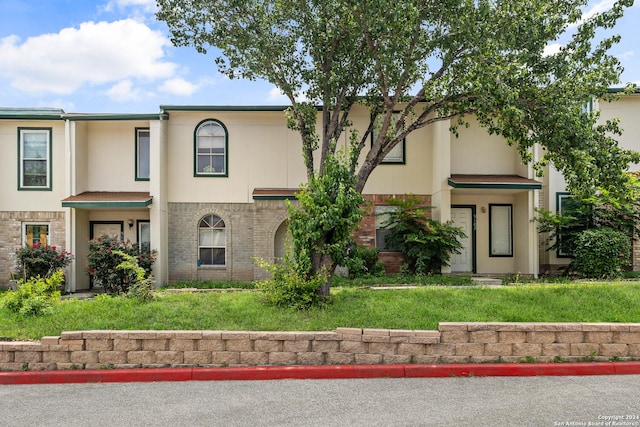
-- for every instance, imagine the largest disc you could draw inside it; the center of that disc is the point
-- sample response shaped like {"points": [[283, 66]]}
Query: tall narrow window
{"points": [[34, 152], [35, 234], [143, 147], [382, 215], [211, 241], [211, 149], [500, 230], [396, 155]]}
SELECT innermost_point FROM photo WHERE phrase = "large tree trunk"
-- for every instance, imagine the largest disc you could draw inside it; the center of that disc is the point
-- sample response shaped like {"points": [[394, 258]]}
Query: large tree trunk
{"points": [[323, 263]]}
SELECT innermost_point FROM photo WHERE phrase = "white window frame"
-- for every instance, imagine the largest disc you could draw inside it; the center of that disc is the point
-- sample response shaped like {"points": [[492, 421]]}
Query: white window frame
{"points": [[214, 222], [500, 230], [22, 131], [39, 224]]}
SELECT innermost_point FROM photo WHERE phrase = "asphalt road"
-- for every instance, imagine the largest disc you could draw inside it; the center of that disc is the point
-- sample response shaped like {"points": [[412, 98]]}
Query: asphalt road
{"points": [[475, 401]]}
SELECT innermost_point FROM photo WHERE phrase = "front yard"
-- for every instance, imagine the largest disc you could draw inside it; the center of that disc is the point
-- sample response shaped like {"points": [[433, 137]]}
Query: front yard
{"points": [[421, 308]]}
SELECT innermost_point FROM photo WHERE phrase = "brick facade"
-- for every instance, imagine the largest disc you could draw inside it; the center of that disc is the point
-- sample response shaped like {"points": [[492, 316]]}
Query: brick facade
{"points": [[11, 234], [365, 235], [452, 343]]}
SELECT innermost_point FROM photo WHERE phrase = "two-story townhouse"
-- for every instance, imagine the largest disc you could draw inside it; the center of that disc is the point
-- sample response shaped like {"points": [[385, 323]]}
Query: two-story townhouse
{"points": [[32, 181], [554, 194], [205, 186]]}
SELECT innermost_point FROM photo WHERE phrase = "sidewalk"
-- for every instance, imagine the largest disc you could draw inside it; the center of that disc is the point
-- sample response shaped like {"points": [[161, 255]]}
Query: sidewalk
{"points": [[319, 372]]}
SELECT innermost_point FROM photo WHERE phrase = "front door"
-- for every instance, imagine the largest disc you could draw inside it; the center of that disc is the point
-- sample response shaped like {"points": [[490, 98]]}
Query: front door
{"points": [[463, 217], [113, 229]]}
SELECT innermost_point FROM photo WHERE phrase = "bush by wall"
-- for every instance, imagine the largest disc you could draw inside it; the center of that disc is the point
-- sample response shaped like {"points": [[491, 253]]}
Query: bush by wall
{"points": [[105, 255], [602, 252], [40, 260]]}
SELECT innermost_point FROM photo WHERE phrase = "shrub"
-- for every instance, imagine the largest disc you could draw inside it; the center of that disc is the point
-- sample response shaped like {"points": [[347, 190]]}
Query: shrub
{"points": [[426, 244], [601, 253], [363, 262], [140, 284], [105, 255], [35, 296], [288, 288], [41, 260]]}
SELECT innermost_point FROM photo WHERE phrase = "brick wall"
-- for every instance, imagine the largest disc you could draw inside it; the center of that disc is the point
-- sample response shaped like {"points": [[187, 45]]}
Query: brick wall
{"points": [[452, 343], [11, 235], [365, 235]]}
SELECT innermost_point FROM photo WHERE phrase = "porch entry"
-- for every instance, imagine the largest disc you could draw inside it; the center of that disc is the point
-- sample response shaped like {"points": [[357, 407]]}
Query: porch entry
{"points": [[464, 217]]}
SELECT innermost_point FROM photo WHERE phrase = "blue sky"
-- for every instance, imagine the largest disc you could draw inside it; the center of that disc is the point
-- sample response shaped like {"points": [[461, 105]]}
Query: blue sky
{"points": [[98, 56]]}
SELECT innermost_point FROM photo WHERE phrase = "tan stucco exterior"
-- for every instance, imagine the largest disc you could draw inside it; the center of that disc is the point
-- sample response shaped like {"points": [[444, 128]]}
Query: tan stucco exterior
{"points": [[96, 153]]}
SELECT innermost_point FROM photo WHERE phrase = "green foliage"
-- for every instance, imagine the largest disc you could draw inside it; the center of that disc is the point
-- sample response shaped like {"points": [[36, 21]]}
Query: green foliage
{"points": [[597, 211], [362, 262], [36, 296], [288, 288], [106, 254], [321, 226], [41, 260], [140, 284], [602, 253], [426, 244]]}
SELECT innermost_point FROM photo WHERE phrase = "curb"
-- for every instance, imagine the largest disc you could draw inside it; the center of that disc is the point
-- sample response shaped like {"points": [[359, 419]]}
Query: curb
{"points": [[318, 372]]}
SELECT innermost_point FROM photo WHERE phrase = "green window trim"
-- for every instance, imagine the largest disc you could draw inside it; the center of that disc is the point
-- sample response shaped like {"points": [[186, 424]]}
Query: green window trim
{"points": [[22, 131], [212, 157], [212, 241], [500, 230], [142, 165]]}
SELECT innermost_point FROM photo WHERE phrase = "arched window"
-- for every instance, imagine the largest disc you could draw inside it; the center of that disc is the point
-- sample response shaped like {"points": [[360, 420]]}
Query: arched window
{"points": [[212, 240], [211, 149]]}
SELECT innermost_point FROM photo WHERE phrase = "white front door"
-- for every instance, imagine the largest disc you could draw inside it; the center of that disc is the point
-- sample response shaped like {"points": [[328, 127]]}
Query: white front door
{"points": [[463, 218], [111, 229]]}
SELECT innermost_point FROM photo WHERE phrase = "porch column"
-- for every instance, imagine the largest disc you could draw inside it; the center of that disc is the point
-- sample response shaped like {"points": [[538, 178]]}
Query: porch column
{"points": [[158, 208]]}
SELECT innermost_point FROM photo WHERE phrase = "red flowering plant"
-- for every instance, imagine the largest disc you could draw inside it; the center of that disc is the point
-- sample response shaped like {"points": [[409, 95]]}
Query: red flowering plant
{"points": [[104, 258], [40, 260]]}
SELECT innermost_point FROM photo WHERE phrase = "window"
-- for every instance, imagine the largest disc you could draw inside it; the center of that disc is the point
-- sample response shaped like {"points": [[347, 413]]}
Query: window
{"points": [[500, 230], [396, 155], [566, 205], [34, 153], [382, 215], [35, 234], [143, 147], [211, 241], [144, 235], [211, 149]]}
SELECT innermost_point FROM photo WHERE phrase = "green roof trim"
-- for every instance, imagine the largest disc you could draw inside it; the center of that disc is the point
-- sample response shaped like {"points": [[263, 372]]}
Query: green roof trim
{"points": [[31, 113], [107, 205], [273, 197], [224, 107], [115, 117], [496, 186]]}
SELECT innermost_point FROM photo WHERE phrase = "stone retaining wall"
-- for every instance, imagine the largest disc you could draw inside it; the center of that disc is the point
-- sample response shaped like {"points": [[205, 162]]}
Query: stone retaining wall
{"points": [[452, 343]]}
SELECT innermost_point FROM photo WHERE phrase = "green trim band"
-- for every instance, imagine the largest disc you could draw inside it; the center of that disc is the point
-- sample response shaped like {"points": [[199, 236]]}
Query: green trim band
{"points": [[104, 205], [497, 186]]}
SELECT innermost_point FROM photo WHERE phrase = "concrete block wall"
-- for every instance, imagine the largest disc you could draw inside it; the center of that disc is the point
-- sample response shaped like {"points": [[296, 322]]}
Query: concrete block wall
{"points": [[451, 343]]}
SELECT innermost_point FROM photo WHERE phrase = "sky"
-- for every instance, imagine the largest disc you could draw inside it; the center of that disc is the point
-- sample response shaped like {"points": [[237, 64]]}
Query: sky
{"points": [[113, 56]]}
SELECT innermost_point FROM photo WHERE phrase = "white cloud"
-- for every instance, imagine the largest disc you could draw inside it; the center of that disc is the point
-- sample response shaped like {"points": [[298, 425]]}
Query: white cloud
{"points": [[598, 7], [123, 91], [148, 6], [551, 49], [178, 86], [93, 54], [276, 95]]}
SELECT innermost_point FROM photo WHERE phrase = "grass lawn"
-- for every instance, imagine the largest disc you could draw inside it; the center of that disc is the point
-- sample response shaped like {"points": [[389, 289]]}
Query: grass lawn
{"points": [[420, 308]]}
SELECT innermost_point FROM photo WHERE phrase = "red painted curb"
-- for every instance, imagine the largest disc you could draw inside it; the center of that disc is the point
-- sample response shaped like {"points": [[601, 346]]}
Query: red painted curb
{"points": [[319, 372]]}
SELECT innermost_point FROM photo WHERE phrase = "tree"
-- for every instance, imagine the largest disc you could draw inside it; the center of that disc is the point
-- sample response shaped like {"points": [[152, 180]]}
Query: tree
{"points": [[417, 62]]}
